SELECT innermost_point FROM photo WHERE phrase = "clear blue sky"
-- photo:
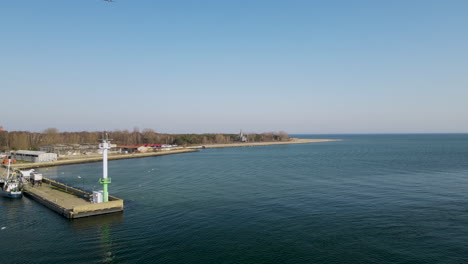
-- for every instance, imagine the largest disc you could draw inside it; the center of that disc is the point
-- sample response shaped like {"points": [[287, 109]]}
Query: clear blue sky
{"points": [[220, 66]]}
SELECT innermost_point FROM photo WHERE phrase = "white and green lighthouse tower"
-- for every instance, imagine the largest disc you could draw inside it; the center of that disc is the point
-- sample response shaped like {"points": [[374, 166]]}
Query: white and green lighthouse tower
{"points": [[105, 146]]}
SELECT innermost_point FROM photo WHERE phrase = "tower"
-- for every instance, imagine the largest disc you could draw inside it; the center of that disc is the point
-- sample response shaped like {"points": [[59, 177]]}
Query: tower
{"points": [[105, 146]]}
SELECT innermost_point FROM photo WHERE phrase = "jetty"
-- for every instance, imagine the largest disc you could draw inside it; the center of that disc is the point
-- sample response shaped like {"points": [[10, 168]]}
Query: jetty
{"points": [[70, 202]]}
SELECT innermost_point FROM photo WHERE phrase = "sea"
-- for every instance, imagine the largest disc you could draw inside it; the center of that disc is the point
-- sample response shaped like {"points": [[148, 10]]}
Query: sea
{"points": [[363, 199]]}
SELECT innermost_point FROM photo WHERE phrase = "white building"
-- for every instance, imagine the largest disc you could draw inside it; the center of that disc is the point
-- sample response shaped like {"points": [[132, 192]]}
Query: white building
{"points": [[142, 149], [241, 137], [33, 156]]}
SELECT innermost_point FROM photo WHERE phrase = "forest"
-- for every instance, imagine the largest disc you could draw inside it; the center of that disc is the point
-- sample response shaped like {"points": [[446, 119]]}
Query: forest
{"points": [[25, 140]]}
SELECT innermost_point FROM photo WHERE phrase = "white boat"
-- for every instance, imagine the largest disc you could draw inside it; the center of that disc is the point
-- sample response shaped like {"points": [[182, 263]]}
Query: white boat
{"points": [[11, 190], [11, 186]]}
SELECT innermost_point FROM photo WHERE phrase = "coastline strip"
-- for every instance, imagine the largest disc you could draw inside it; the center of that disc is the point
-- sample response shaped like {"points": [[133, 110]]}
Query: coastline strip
{"points": [[169, 152], [255, 144], [98, 159]]}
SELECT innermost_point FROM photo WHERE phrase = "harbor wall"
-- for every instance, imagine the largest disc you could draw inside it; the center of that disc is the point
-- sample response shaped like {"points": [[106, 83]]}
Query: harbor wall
{"points": [[98, 206], [48, 203], [114, 205]]}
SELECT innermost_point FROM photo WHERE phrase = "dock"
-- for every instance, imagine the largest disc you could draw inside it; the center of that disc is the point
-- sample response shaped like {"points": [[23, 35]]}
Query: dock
{"points": [[70, 202]]}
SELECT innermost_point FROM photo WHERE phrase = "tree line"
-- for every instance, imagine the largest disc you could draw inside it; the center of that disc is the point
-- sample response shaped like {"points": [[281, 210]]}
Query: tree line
{"points": [[25, 140]]}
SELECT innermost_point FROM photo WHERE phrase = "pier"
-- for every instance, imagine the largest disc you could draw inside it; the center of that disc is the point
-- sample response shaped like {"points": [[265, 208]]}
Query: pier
{"points": [[70, 202]]}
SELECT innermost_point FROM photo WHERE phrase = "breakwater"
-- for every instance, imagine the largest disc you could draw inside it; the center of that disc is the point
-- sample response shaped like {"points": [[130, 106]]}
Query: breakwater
{"points": [[70, 202]]}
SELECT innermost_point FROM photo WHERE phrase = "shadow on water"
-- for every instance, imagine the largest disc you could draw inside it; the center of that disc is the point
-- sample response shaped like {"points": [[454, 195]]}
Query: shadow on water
{"points": [[96, 221], [103, 225]]}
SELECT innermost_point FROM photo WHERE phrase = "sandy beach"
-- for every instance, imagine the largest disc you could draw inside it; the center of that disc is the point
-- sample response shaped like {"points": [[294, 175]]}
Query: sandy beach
{"points": [[254, 144]]}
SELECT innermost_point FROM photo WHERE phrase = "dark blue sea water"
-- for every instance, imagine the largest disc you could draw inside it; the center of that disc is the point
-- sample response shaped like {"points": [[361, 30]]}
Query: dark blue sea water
{"points": [[365, 199]]}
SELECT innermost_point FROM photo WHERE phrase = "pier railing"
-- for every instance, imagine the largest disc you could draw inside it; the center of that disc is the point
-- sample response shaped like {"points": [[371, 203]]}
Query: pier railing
{"points": [[73, 190]]}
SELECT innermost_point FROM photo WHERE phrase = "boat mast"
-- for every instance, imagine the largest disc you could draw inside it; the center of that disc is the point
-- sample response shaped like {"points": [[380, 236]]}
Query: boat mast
{"points": [[8, 170]]}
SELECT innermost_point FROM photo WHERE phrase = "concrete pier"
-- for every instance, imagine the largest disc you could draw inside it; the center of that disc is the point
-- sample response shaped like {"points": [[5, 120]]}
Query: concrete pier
{"points": [[70, 202]]}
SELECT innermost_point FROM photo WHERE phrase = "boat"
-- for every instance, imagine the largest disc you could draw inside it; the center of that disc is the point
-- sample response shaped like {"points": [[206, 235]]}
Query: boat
{"points": [[11, 186], [11, 190]]}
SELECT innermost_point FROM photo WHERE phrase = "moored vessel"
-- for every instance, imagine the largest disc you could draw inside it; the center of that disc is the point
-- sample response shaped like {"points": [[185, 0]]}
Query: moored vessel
{"points": [[11, 190], [11, 186]]}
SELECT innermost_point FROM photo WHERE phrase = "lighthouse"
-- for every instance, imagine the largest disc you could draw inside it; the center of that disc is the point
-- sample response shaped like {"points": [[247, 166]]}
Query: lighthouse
{"points": [[105, 146]]}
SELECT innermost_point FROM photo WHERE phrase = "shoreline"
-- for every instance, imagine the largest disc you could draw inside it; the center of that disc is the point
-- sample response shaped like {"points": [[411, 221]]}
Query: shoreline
{"points": [[270, 143], [169, 152], [97, 159]]}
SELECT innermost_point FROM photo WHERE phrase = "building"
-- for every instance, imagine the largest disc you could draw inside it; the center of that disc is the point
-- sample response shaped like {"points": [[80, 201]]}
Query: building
{"points": [[142, 149], [76, 149], [33, 156], [241, 137], [146, 148], [128, 149]]}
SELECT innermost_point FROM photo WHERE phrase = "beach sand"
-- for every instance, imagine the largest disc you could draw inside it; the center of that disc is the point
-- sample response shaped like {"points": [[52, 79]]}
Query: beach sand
{"points": [[254, 144]]}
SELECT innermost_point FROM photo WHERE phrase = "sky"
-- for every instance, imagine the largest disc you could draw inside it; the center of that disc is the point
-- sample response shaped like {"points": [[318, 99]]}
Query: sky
{"points": [[211, 66]]}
